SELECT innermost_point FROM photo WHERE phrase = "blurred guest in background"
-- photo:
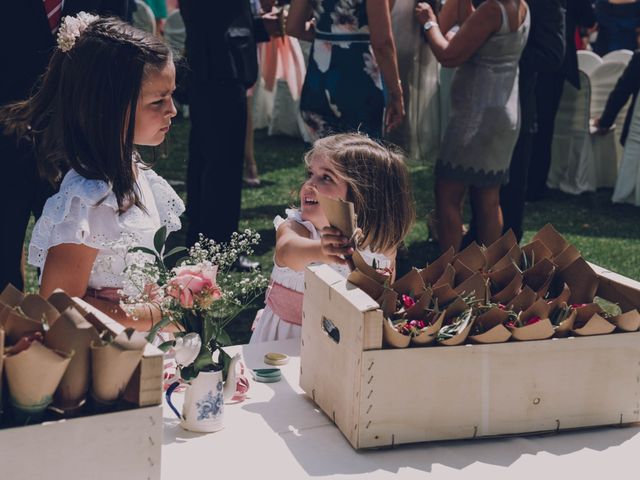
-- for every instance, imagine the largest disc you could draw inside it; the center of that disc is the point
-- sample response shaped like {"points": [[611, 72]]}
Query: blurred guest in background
{"points": [[617, 24]]}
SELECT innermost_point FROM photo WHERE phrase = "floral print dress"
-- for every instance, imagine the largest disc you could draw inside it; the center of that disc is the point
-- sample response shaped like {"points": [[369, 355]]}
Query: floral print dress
{"points": [[343, 89]]}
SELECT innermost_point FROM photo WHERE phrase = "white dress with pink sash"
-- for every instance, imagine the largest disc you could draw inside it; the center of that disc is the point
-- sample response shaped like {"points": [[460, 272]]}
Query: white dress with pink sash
{"points": [[286, 290]]}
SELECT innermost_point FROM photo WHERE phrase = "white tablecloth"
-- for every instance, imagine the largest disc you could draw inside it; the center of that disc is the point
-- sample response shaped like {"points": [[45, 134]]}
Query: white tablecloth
{"points": [[278, 432]]}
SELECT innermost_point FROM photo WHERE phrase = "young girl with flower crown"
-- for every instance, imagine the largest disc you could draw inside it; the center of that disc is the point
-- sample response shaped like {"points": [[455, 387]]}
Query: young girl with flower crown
{"points": [[108, 87], [350, 167]]}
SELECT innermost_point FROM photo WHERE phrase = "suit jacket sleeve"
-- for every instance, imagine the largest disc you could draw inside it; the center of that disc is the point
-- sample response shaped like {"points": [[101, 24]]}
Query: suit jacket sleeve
{"points": [[546, 44], [627, 85]]}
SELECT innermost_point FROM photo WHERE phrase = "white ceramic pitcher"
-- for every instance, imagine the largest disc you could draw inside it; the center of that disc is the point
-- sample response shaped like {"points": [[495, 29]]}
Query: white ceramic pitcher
{"points": [[203, 407]]}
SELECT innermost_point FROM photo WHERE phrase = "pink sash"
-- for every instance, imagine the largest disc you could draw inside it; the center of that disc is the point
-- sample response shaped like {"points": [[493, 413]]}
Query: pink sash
{"points": [[285, 303]]}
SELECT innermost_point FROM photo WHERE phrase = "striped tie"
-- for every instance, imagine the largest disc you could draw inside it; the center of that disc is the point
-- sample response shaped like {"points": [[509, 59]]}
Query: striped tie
{"points": [[53, 8]]}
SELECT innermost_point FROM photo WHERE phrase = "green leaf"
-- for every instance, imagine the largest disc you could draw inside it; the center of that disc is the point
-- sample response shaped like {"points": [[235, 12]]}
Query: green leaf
{"points": [[160, 238], [223, 338], [157, 327], [610, 309], [173, 251], [165, 346]]}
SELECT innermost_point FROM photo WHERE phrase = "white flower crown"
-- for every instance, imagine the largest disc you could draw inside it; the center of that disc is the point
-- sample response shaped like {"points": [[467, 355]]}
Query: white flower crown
{"points": [[71, 28]]}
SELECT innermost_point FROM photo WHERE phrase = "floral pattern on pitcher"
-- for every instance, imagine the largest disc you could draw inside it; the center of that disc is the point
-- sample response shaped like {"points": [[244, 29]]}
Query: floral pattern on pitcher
{"points": [[211, 405]]}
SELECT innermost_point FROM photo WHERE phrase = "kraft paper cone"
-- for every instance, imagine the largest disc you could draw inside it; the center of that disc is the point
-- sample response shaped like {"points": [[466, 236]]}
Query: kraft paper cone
{"points": [[624, 295], [10, 297], [462, 272], [566, 325], [539, 277], [339, 213], [71, 332], [447, 278], [433, 329], [536, 251], [475, 285], [418, 310], [445, 294], [38, 309], [509, 291], [455, 308], [1, 363], [513, 256], [366, 284], [459, 338], [367, 269], [551, 238], [501, 247], [17, 325], [410, 284], [473, 257], [582, 281], [34, 374], [388, 301], [423, 339], [560, 299], [566, 257], [392, 337], [431, 273], [538, 331], [627, 322], [494, 330], [111, 370], [523, 300], [589, 321], [61, 301], [501, 278]]}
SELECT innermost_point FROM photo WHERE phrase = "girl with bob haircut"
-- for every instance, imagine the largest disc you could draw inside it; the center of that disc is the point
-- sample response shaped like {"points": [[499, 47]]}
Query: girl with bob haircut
{"points": [[108, 88], [350, 167]]}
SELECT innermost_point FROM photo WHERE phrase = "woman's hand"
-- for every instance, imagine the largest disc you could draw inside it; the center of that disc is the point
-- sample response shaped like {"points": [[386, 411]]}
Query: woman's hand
{"points": [[394, 111], [424, 13], [334, 245]]}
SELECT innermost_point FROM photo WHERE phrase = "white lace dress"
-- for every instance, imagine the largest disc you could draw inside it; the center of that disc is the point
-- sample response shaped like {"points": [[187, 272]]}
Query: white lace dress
{"points": [[85, 212], [268, 325]]}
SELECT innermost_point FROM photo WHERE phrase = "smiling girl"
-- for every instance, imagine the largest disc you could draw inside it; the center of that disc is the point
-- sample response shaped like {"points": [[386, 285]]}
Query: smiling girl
{"points": [[349, 167]]}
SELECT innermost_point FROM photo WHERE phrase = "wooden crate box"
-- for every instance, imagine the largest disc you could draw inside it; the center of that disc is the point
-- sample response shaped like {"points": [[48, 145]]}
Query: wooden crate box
{"points": [[381, 397]]}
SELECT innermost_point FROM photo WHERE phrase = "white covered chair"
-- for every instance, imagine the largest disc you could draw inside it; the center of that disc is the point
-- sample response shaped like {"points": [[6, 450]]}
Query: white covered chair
{"points": [[607, 149], [622, 55], [143, 17], [572, 166], [175, 33], [588, 61], [627, 189]]}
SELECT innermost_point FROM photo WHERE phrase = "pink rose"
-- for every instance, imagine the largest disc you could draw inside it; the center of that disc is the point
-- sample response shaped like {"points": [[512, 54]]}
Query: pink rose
{"points": [[192, 282], [407, 301]]}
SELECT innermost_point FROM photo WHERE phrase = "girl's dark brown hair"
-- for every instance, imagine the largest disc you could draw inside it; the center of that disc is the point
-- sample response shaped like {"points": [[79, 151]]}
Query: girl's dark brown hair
{"points": [[378, 185], [83, 113]]}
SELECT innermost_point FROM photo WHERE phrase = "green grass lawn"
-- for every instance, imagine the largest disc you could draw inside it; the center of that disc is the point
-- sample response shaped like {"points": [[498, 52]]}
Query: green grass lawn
{"points": [[606, 234]]}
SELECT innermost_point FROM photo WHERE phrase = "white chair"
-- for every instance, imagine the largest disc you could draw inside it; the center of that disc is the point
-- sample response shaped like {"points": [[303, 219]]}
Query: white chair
{"points": [[607, 149], [627, 189], [588, 61], [572, 167], [175, 33], [623, 56], [143, 18]]}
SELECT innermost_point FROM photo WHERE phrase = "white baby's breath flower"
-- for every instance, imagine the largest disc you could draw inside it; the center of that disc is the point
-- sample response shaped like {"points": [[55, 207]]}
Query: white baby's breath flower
{"points": [[72, 27]]}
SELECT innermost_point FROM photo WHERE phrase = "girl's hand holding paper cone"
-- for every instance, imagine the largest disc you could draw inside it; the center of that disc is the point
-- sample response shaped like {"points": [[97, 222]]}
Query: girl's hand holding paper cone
{"points": [[335, 246]]}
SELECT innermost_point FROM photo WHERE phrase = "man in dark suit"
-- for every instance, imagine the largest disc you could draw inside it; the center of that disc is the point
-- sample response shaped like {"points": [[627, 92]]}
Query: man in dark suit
{"points": [[548, 94], [28, 39], [627, 86], [222, 60], [543, 52]]}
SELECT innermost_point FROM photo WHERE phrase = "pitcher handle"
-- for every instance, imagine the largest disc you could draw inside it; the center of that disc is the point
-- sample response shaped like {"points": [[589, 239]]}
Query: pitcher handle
{"points": [[167, 395]]}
